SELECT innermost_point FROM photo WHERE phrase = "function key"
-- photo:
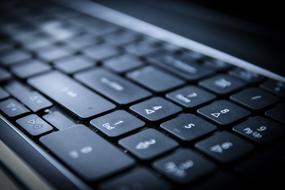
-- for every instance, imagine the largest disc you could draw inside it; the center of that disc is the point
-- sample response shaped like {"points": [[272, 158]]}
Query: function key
{"points": [[223, 112], [34, 125], [13, 108], [120, 38], [190, 96], [113, 86], [29, 68], [154, 79], [117, 123], [184, 166], [260, 130], [277, 113], [254, 98], [217, 65], [148, 144], [82, 41], [100, 52], [188, 127], [123, 63], [141, 48], [222, 84], [224, 147], [247, 76], [155, 109], [136, 179], [276, 87]]}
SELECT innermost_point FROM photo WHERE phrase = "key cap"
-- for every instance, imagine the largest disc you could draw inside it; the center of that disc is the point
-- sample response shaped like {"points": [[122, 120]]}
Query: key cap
{"points": [[82, 41], [148, 144], [277, 113], [121, 37], [247, 76], [112, 86], [30, 68], [136, 179], [34, 125], [188, 127], [154, 79], [14, 56], [155, 109], [188, 70], [190, 96], [254, 98], [101, 52], [73, 64], [3, 94], [223, 112], [192, 56], [224, 147], [217, 65], [123, 63], [13, 108], [143, 48], [4, 75], [260, 130], [51, 53], [86, 153], [117, 123], [33, 100], [184, 166], [275, 87], [222, 84], [58, 120], [71, 95]]}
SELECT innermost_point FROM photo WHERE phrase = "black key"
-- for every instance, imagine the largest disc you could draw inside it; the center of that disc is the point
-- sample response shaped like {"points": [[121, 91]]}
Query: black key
{"points": [[86, 153], [148, 144], [73, 64], [188, 127], [154, 79], [51, 53], [275, 87], [34, 125], [30, 68], [222, 84], [117, 123], [3, 94], [254, 98], [192, 56], [123, 63], [184, 166], [58, 120], [82, 41], [142, 48], [217, 65], [71, 95], [112, 86], [247, 76], [31, 99], [4, 75], [12, 108], [190, 96], [101, 52], [13, 57], [260, 130], [155, 109], [277, 113], [136, 179], [121, 38], [224, 147], [188, 70], [223, 112]]}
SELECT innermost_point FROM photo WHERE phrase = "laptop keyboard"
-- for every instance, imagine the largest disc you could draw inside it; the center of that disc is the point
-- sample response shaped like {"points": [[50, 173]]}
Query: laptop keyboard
{"points": [[123, 110]]}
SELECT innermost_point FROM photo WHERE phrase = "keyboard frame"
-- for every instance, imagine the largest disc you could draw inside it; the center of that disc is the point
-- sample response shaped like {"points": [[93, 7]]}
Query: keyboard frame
{"points": [[61, 176]]}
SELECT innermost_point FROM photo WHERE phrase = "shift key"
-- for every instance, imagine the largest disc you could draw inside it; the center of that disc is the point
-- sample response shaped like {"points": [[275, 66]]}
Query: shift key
{"points": [[79, 100], [85, 152]]}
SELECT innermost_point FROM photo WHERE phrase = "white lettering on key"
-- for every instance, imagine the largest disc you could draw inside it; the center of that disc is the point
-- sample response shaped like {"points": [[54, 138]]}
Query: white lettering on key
{"points": [[112, 84], [145, 144]]}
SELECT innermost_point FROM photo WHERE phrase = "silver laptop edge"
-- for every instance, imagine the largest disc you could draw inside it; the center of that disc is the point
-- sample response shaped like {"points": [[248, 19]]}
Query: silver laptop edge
{"points": [[105, 13]]}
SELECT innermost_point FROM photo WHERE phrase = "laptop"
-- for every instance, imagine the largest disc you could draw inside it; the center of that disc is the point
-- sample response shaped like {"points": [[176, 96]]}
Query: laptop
{"points": [[94, 96]]}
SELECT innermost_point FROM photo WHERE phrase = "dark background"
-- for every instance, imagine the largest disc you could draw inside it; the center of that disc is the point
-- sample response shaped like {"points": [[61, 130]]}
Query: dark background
{"points": [[251, 30]]}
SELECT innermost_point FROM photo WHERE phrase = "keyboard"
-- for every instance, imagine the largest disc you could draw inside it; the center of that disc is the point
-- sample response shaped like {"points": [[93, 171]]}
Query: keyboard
{"points": [[122, 110]]}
